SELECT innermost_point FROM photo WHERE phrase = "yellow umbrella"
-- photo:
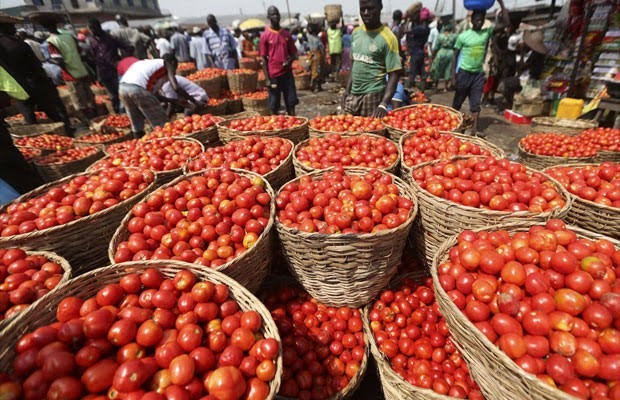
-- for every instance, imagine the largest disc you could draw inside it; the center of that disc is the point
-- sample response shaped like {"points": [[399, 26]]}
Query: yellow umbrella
{"points": [[251, 23]]}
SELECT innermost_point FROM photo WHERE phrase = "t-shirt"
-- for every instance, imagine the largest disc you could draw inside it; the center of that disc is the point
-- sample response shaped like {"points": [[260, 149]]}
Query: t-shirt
{"points": [[374, 53], [277, 46], [146, 73], [163, 46], [179, 45], [334, 41], [190, 87], [473, 47]]}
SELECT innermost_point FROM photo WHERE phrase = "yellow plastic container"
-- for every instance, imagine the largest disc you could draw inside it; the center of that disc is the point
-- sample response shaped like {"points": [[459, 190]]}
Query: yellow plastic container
{"points": [[569, 108]]}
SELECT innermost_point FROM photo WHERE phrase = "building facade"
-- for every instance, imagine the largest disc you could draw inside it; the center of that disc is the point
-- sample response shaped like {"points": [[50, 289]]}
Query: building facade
{"points": [[84, 9]]}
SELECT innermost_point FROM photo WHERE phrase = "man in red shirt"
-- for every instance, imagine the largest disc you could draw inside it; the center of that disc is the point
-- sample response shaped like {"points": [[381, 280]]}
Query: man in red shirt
{"points": [[278, 50]]}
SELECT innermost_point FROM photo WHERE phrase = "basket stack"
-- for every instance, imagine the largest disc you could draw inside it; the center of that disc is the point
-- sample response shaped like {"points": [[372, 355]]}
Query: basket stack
{"points": [[249, 268], [83, 242], [543, 162], [302, 81], [19, 131], [242, 81], [56, 171], [570, 127], [396, 133], [346, 270], [295, 134], [88, 284]]}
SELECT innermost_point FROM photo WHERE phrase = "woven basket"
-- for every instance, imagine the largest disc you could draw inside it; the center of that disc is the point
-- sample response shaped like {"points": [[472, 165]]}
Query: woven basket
{"points": [[249, 63], [405, 171], [218, 109], [102, 145], [543, 162], [234, 106], [97, 125], [249, 268], [302, 81], [295, 134], [21, 131], [212, 86], [440, 219], [82, 242], [54, 172], [348, 269], [593, 216], [242, 114], [186, 72], [396, 133], [240, 83], [606, 155], [88, 284], [259, 105], [301, 169], [497, 375], [313, 132], [44, 152], [44, 299], [570, 127]]}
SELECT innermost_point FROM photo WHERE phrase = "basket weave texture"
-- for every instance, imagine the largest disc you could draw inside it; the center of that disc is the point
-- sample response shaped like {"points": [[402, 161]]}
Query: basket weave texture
{"points": [[249, 268], [396, 133], [346, 270], [302, 81], [20, 131], [570, 127], [295, 134], [244, 82], [88, 284], [543, 162], [252, 104], [497, 375], [212, 86], [54, 172]]}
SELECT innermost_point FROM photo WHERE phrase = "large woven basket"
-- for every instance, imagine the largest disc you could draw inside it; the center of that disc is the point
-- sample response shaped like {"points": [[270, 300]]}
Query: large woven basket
{"points": [[405, 171], [259, 105], [347, 269], [440, 218], [249, 268], [543, 162], [85, 143], [249, 63], [244, 82], [88, 284], [212, 86], [498, 376], [65, 277], [607, 155], [313, 132], [54, 172], [593, 216], [234, 106], [301, 169], [295, 134], [20, 131], [216, 109], [98, 125], [302, 81], [83, 242], [396, 133], [44, 152], [186, 72], [558, 125]]}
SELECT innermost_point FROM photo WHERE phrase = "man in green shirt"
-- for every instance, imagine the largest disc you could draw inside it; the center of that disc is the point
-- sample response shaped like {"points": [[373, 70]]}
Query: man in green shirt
{"points": [[471, 45], [374, 52], [334, 42]]}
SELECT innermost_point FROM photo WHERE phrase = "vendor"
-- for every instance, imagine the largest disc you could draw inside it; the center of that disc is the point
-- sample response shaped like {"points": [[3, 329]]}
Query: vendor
{"points": [[169, 95], [138, 89]]}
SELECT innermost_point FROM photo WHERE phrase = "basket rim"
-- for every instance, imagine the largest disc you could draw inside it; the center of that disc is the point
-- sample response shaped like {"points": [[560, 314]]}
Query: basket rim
{"points": [[308, 169], [263, 236], [44, 188], [36, 161], [447, 108], [494, 213], [565, 122], [225, 125], [544, 157], [188, 135], [441, 254], [352, 236]]}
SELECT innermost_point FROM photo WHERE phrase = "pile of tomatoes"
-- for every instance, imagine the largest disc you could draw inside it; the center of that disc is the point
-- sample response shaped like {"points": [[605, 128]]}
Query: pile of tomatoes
{"points": [[338, 202], [183, 126], [586, 144], [428, 144], [607, 139], [166, 154], [346, 123], [265, 123], [101, 138], [24, 278], [186, 66], [122, 147], [148, 337], [348, 151], [547, 298], [118, 121], [29, 153], [207, 73], [489, 183], [322, 347], [240, 71], [597, 183], [411, 332], [81, 196], [39, 115], [257, 154], [258, 95], [414, 118], [215, 102], [207, 219], [47, 141], [65, 156]]}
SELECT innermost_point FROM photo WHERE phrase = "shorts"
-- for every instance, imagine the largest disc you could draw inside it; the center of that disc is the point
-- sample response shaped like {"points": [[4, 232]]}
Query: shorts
{"points": [[362, 104], [285, 85], [468, 84]]}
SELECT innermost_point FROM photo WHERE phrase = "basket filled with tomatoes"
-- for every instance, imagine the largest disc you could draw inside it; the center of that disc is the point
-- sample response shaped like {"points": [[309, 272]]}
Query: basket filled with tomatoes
{"points": [[186, 68], [595, 189], [28, 277], [302, 80], [324, 348], [74, 217], [534, 309], [468, 192], [166, 156], [148, 329], [210, 79], [111, 123], [409, 340], [411, 118], [101, 140], [544, 150], [429, 144], [216, 106], [271, 157], [256, 101], [242, 81], [29, 153], [346, 150], [19, 120], [343, 232], [63, 163], [294, 129], [348, 124], [47, 142], [218, 218], [199, 127], [22, 131], [568, 127], [234, 104], [607, 142]]}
